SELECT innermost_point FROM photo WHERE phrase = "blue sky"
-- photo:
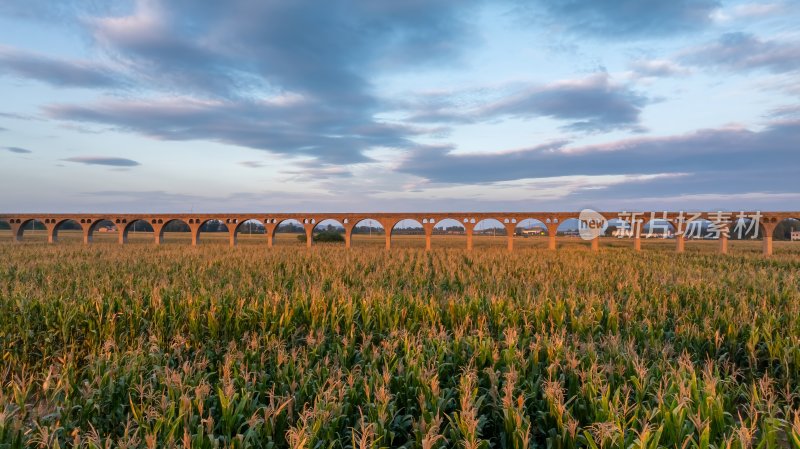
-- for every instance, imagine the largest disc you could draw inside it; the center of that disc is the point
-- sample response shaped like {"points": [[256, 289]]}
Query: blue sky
{"points": [[374, 105]]}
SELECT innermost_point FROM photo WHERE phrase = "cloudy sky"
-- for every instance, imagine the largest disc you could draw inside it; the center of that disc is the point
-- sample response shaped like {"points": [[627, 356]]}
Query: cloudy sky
{"points": [[346, 105]]}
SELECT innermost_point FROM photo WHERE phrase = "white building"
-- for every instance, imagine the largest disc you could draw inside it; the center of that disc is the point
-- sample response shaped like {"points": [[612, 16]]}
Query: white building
{"points": [[796, 236]]}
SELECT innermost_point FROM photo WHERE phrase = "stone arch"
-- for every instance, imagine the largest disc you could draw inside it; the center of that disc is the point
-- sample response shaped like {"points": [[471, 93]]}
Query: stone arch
{"points": [[537, 225], [569, 235], [367, 232], [448, 233], [654, 232], [136, 229], [36, 230], [531, 232], [407, 233], [488, 232], [325, 230], [173, 226], [102, 226], [251, 229], [6, 231], [742, 229], [212, 226], [784, 228], [782, 235], [69, 229], [289, 231]]}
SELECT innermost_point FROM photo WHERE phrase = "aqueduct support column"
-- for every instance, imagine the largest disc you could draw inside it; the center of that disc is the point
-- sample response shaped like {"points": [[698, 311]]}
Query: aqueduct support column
{"points": [[680, 243], [468, 228], [123, 237], [269, 231], [388, 227], [428, 228], [348, 234], [87, 235], [552, 230], [195, 230], [766, 244], [233, 232], [16, 232], [309, 233], [52, 233], [510, 228], [158, 232]]}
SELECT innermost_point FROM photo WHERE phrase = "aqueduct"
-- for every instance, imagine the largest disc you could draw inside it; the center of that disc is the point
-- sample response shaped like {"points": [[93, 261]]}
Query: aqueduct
{"points": [[233, 222]]}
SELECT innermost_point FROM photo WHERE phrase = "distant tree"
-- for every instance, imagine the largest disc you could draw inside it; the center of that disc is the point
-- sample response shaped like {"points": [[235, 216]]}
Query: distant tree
{"points": [[324, 236], [176, 226], [4, 225], [610, 230], [783, 231], [69, 225]]}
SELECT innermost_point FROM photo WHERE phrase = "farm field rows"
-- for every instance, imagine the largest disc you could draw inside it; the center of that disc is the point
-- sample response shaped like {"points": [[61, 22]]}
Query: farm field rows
{"points": [[414, 241], [213, 346]]}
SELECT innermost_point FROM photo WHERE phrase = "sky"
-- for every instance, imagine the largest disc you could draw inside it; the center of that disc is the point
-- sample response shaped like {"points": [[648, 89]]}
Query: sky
{"points": [[385, 105]]}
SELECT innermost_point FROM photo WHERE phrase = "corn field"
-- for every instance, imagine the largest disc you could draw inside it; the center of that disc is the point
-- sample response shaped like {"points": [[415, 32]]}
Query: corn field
{"points": [[106, 347]]}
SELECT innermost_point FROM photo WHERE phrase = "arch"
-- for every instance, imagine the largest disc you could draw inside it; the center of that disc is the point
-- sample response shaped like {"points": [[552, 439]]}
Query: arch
{"points": [[175, 227], [657, 233], [105, 229], [289, 231], [251, 230], [35, 229], [569, 235], [6, 233], [217, 231], [328, 231], [782, 236], [531, 232], [448, 233], [489, 232], [67, 229], [696, 237], [137, 231], [407, 233], [368, 232], [784, 228]]}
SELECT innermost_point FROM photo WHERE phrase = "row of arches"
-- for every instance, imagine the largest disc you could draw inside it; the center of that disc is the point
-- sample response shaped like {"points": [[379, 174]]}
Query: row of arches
{"points": [[450, 231]]}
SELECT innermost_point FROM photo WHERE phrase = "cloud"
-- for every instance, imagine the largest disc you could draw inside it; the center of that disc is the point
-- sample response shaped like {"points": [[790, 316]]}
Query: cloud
{"points": [[657, 68], [623, 19], [252, 164], [751, 11], [57, 72], [521, 189], [312, 61], [734, 152], [291, 128], [18, 150], [101, 160], [589, 104], [788, 111], [744, 51]]}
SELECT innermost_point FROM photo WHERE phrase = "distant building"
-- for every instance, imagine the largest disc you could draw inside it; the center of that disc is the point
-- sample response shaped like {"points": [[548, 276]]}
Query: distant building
{"points": [[107, 229], [796, 236], [537, 230]]}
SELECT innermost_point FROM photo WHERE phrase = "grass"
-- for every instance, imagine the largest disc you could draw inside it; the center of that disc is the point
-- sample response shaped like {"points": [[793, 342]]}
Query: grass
{"points": [[175, 346]]}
